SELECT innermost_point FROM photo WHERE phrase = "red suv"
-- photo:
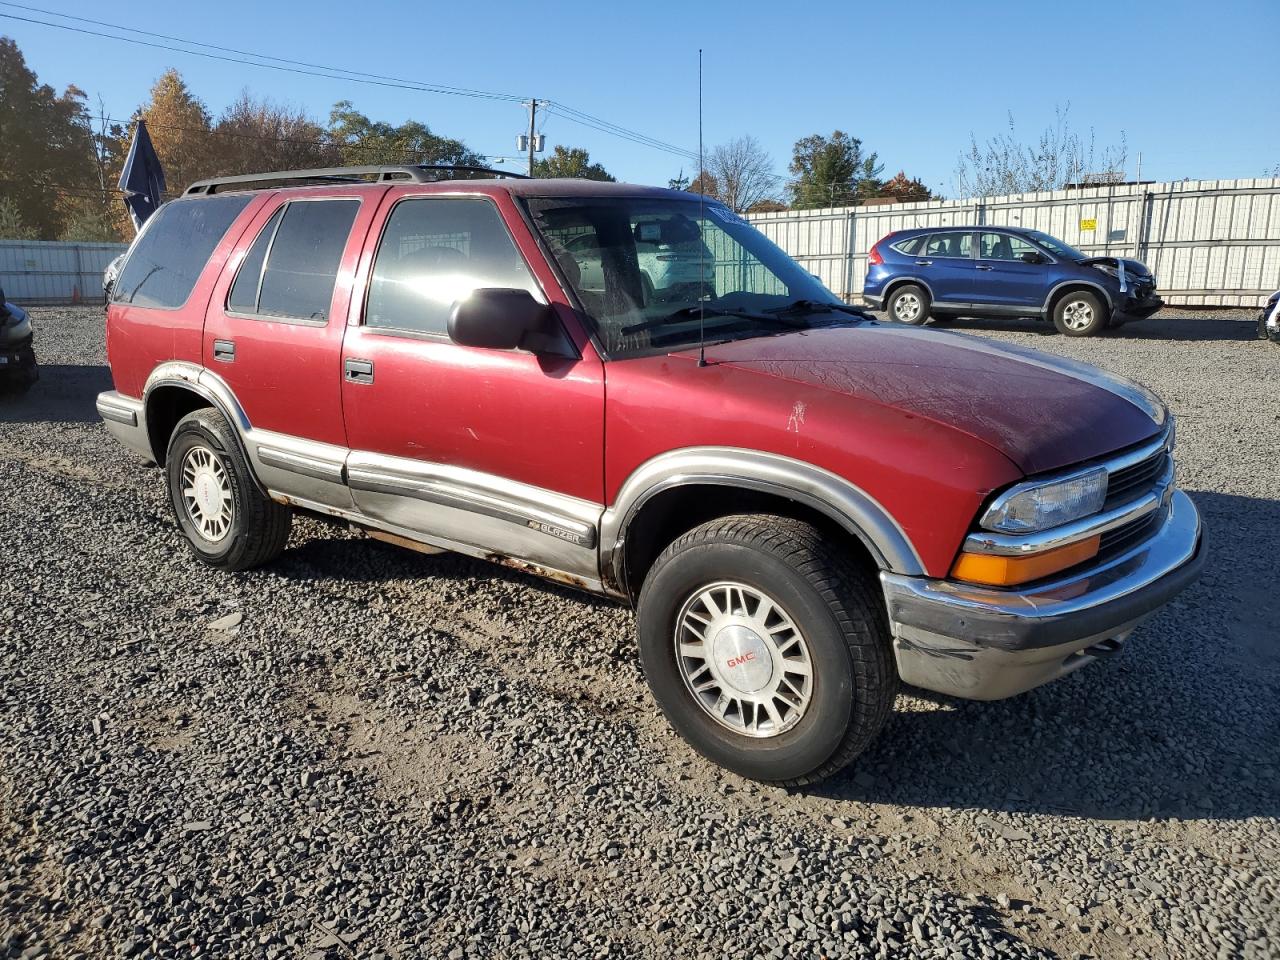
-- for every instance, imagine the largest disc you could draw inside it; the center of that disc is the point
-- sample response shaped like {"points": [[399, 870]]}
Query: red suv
{"points": [[806, 508]]}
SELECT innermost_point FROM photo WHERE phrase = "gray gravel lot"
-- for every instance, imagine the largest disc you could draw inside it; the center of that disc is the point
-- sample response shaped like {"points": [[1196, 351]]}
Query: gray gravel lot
{"points": [[364, 752]]}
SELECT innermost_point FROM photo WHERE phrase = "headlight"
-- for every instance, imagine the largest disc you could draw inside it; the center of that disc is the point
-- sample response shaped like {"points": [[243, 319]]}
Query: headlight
{"points": [[1030, 507]]}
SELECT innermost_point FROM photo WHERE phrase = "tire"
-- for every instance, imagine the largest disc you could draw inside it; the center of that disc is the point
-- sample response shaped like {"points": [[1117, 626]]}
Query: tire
{"points": [[1079, 314], [229, 522], [834, 608], [909, 304]]}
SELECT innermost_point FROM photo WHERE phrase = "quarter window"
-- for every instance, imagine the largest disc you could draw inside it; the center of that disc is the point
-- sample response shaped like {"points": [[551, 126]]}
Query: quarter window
{"points": [[168, 258], [291, 269], [435, 252], [949, 245], [911, 246], [1003, 246]]}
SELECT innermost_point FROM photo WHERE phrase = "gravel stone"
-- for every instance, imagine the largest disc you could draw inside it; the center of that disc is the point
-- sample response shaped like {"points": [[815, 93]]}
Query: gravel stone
{"points": [[496, 781]]}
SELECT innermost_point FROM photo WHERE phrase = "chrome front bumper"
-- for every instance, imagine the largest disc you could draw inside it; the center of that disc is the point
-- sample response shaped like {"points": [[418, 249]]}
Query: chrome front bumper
{"points": [[986, 644]]}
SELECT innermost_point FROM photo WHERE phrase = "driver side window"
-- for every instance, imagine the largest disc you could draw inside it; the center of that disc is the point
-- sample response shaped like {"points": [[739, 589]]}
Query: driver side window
{"points": [[1003, 246]]}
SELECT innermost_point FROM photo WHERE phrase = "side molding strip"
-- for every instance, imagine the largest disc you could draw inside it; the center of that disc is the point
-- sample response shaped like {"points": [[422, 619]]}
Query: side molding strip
{"points": [[313, 467]]}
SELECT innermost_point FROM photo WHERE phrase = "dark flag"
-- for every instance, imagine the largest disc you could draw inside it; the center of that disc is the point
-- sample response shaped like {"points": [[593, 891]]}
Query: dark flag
{"points": [[142, 180]]}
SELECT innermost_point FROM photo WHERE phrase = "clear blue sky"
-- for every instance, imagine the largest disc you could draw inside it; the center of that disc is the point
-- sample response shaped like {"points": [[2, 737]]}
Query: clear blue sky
{"points": [[1193, 86]]}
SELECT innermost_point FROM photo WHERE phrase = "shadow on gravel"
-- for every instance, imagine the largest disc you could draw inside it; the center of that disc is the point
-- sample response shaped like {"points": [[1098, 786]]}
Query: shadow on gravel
{"points": [[1183, 328], [65, 393], [1182, 725]]}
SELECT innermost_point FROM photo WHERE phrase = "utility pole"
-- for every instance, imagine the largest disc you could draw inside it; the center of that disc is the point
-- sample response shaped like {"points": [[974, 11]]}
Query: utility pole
{"points": [[533, 137]]}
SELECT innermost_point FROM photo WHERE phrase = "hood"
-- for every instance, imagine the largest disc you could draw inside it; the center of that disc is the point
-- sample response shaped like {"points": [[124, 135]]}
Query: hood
{"points": [[1134, 268], [1042, 412]]}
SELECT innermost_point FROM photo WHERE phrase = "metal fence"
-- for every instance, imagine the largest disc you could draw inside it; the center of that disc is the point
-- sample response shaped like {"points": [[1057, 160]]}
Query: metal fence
{"points": [[1209, 242], [39, 271]]}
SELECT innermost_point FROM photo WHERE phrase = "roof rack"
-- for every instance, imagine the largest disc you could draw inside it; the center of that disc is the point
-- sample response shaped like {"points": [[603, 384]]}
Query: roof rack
{"points": [[410, 173]]}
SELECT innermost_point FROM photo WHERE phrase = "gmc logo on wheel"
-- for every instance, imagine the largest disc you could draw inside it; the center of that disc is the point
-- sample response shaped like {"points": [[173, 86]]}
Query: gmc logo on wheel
{"points": [[739, 661]]}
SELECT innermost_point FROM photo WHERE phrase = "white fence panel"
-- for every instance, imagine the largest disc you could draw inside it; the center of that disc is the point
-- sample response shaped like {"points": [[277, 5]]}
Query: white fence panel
{"points": [[40, 271], [1210, 242]]}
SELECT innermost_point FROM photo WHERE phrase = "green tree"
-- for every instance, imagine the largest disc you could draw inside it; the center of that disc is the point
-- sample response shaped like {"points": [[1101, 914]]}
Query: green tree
{"points": [[572, 162], [359, 141], [44, 156], [679, 181], [12, 226], [829, 171]]}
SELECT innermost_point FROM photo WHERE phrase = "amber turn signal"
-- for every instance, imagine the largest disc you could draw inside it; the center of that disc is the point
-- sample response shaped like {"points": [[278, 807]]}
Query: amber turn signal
{"points": [[1008, 571]]}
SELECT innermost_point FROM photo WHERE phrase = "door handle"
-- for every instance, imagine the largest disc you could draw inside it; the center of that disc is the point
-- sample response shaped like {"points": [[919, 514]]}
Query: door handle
{"points": [[224, 351], [981, 267], [357, 371], [924, 263]]}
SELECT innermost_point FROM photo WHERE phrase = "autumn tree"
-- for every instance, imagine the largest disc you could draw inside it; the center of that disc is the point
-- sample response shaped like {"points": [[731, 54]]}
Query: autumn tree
{"points": [[706, 184], [744, 171], [905, 190], [181, 131], [829, 171], [571, 162], [767, 206], [44, 157], [259, 135], [359, 140]]}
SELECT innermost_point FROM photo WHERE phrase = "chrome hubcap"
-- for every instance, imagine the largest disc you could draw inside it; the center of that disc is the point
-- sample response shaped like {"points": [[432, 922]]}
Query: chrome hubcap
{"points": [[1077, 315], [907, 307], [743, 659], [206, 493]]}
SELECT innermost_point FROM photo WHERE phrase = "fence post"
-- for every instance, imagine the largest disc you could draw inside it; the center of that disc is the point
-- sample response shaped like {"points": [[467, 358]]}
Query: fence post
{"points": [[847, 295]]}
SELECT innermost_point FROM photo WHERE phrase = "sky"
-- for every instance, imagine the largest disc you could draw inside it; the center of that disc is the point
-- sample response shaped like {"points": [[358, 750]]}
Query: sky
{"points": [[1190, 86]]}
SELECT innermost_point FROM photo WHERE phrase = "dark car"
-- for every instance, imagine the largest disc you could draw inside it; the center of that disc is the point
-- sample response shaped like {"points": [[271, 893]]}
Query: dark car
{"points": [[920, 274], [17, 358]]}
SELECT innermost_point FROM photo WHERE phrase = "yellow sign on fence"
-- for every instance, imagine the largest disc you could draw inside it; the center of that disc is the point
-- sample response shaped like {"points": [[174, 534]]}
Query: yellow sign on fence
{"points": [[1090, 224]]}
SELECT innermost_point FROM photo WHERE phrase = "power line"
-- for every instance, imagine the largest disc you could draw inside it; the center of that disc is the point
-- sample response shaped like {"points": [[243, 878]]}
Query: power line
{"points": [[324, 71]]}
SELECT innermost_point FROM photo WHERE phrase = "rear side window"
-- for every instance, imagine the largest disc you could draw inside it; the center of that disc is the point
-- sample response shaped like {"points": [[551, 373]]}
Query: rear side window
{"points": [[911, 246], [291, 268], [166, 262], [435, 252], [949, 245]]}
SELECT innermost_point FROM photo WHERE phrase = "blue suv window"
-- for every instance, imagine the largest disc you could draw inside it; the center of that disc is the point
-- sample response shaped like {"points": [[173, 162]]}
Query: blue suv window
{"points": [[911, 246], [1003, 246], [949, 245]]}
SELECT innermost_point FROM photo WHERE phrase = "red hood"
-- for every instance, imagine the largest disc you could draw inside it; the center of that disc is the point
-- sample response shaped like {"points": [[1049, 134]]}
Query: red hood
{"points": [[1040, 411]]}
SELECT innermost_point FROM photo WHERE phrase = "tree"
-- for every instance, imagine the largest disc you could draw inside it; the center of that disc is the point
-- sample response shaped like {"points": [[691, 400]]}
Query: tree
{"points": [[12, 226], [831, 170], [1004, 164], [744, 171], [572, 162], [706, 184], [359, 141], [767, 206], [679, 181], [44, 159], [180, 130], [904, 190], [258, 135]]}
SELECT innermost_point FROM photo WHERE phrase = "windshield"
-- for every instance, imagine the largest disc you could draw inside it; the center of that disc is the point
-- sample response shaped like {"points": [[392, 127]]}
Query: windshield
{"points": [[1055, 246], [644, 269]]}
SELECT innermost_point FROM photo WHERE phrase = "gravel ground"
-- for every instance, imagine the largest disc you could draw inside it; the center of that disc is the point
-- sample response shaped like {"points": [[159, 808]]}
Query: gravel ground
{"points": [[365, 752]]}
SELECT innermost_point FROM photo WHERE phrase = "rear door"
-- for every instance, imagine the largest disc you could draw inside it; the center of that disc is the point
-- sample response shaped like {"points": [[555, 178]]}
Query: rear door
{"points": [[273, 335], [495, 452], [1004, 279], [946, 264]]}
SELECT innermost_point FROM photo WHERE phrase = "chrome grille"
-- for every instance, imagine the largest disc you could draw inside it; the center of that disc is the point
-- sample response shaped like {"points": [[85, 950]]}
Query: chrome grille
{"points": [[1131, 482], [1123, 537]]}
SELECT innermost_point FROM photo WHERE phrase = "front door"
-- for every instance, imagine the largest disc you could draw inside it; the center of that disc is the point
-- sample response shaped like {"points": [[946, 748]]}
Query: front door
{"points": [[273, 336], [946, 263], [1005, 279], [495, 452]]}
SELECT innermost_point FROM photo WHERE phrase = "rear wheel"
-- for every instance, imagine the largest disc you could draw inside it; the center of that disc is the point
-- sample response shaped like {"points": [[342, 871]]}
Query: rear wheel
{"points": [[766, 649], [228, 521], [1079, 314], [909, 304]]}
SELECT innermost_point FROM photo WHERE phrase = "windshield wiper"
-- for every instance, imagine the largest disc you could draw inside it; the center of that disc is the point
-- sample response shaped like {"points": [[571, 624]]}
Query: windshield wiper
{"points": [[685, 314], [818, 306]]}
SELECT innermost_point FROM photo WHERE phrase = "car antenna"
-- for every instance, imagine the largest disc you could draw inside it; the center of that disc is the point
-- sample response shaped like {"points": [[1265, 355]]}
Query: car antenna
{"points": [[702, 244]]}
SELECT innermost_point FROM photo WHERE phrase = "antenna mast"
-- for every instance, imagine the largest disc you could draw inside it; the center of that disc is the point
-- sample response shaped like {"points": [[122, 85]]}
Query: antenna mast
{"points": [[702, 244]]}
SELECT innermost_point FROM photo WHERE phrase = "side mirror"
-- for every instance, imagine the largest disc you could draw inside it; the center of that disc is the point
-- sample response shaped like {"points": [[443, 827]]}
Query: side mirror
{"points": [[495, 318], [1032, 256]]}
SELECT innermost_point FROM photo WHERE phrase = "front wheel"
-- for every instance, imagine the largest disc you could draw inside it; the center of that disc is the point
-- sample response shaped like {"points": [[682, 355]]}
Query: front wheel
{"points": [[1079, 314], [229, 522], [766, 649]]}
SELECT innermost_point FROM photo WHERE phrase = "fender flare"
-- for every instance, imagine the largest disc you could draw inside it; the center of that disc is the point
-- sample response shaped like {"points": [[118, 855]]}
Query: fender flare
{"points": [[1053, 291], [899, 281], [830, 494]]}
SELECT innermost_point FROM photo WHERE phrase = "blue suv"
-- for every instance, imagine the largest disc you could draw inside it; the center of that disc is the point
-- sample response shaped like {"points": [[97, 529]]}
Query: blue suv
{"points": [[915, 275]]}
